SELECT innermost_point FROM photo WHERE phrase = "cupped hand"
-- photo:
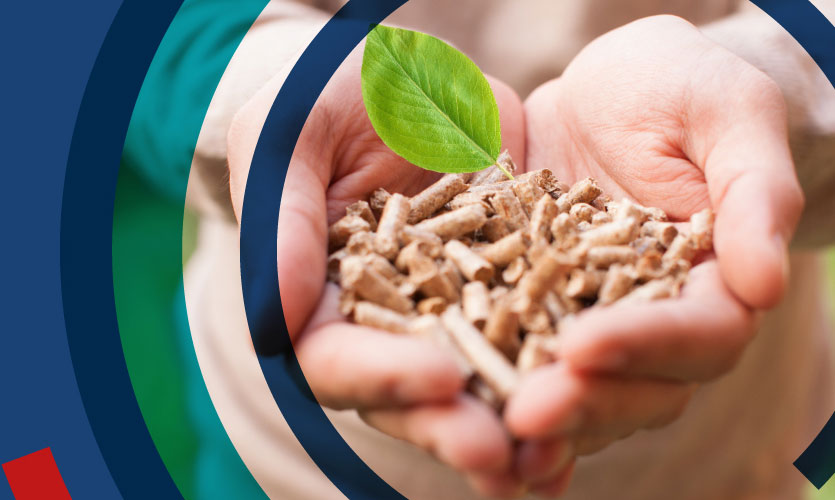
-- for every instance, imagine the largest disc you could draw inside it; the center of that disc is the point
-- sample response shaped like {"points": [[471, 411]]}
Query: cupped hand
{"points": [[403, 386], [654, 111], [658, 113]]}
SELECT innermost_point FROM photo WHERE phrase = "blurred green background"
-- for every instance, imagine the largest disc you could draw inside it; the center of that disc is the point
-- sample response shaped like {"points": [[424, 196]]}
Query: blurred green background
{"points": [[828, 491]]}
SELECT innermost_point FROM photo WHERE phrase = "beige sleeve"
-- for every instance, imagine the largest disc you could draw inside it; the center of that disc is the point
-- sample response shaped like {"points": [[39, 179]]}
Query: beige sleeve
{"points": [[760, 40], [272, 46]]}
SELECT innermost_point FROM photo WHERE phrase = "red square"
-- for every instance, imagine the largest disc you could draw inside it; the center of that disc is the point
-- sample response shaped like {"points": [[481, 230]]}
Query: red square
{"points": [[36, 477]]}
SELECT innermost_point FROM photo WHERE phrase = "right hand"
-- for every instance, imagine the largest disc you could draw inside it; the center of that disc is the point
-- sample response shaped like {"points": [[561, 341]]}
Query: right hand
{"points": [[657, 112], [403, 386]]}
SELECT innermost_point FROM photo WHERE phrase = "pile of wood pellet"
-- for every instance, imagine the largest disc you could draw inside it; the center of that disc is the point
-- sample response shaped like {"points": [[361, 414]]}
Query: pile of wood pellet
{"points": [[488, 267]]}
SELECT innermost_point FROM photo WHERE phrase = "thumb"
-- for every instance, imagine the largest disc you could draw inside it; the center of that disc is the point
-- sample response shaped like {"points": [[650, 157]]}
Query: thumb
{"points": [[757, 198], [302, 221], [302, 245]]}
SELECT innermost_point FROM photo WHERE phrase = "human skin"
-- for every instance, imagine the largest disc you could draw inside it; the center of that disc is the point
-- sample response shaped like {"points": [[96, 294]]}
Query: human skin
{"points": [[414, 391], [654, 111], [657, 112]]}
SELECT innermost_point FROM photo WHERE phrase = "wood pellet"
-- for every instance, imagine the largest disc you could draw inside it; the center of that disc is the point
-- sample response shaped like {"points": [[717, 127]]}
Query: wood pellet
{"points": [[488, 267]]}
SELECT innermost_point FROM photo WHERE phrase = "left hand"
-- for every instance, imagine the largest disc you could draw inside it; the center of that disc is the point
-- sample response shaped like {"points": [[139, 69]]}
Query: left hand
{"points": [[413, 391], [657, 112]]}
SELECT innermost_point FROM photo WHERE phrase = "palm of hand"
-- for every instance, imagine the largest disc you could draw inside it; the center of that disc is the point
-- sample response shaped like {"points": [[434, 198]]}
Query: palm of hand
{"points": [[631, 149], [656, 112], [665, 137], [627, 113], [413, 390]]}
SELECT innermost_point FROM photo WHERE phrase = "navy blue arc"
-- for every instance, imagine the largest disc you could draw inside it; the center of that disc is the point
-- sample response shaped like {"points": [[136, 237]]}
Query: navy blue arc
{"points": [[259, 275], [817, 36], [260, 219], [86, 249]]}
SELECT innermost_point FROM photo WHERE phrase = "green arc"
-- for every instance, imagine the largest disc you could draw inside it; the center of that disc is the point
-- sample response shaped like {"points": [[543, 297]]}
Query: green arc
{"points": [[148, 253]]}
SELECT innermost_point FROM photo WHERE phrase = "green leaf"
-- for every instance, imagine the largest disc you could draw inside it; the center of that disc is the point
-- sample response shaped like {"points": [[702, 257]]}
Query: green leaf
{"points": [[429, 102]]}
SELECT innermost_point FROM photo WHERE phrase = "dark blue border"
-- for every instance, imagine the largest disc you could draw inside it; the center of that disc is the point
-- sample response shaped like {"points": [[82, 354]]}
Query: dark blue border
{"points": [[258, 249], [86, 251], [48, 50], [49, 47], [260, 218], [806, 24], [817, 36]]}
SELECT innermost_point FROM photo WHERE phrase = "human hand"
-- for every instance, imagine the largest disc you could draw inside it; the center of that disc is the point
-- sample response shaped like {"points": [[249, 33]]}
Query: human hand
{"points": [[403, 386], [657, 112]]}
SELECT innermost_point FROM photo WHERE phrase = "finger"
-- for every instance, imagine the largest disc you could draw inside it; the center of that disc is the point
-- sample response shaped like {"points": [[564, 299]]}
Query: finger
{"points": [[753, 187], [754, 223], [302, 226], [301, 247], [351, 366], [512, 117], [555, 487], [546, 131], [541, 460], [694, 337], [556, 401], [464, 434]]}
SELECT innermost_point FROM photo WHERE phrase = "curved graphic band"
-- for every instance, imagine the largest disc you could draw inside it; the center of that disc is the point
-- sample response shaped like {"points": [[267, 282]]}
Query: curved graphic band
{"points": [[86, 233], [149, 231], [817, 36], [86, 242], [260, 216], [258, 249]]}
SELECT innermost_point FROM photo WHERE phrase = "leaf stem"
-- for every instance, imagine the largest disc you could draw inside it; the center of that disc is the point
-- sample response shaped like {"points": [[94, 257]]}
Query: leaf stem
{"points": [[505, 164], [504, 170]]}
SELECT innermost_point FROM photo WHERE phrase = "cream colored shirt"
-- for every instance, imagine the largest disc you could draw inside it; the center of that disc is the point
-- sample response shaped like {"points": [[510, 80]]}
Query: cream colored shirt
{"points": [[740, 434]]}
